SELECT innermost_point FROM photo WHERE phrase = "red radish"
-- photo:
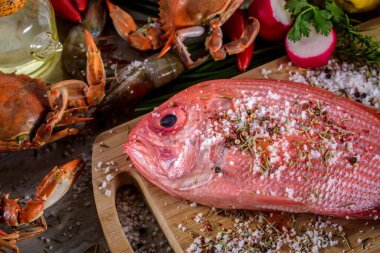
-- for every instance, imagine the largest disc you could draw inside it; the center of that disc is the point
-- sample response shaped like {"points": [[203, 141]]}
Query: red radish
{"points": [[313, 51], [275, 21]]}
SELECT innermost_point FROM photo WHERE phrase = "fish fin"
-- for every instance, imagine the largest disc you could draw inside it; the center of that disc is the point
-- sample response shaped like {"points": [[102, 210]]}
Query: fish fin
{"points": [[277, 201], [373, 214]]}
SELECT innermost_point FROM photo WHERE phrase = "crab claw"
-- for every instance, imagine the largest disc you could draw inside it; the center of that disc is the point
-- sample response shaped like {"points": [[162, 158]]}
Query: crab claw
{"points": [[123, 22], [95, 73], [58, 182]]}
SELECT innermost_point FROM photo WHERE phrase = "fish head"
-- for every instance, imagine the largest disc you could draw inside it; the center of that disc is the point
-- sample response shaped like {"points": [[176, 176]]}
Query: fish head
{"points": [[164, 146]]}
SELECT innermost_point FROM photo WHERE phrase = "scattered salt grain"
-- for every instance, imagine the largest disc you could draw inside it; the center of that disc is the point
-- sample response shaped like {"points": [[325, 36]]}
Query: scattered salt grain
{"points": [[108, 193], [138, 223], [155, 114], [109, 177], [249, 232], [360, 84]]}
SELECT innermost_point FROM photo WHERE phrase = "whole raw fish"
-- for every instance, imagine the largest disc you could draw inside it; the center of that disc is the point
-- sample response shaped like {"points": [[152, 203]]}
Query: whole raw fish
{"points": [[263, 145]]}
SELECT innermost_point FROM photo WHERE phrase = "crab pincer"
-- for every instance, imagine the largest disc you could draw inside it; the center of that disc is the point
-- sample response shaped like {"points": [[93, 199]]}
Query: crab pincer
{"points": [[15, 214], [58, 182], [95, 73]]}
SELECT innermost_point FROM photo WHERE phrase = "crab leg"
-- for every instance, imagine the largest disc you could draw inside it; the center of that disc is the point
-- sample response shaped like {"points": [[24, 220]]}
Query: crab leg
{"points": [[66, 121], [30, 231], [214, 42], [145, 38], [180, 36], [73, 90], [9, 245], [9, 146], [39, 140], [9, 240], [62, 134], [6, 236], [247, 38], [45, 131]]}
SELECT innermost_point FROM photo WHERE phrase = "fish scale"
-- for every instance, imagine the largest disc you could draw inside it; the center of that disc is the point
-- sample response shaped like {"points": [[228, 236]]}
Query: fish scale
{"points": [[265, 145]]}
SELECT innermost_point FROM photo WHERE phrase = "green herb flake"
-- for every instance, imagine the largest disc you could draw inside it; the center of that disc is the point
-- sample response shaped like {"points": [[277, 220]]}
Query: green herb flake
{"points": [[346, 205], [224, 96]]}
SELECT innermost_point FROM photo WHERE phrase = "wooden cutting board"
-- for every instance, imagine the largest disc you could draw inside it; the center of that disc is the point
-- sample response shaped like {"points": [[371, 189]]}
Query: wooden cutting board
{"points": [[171, 211]]}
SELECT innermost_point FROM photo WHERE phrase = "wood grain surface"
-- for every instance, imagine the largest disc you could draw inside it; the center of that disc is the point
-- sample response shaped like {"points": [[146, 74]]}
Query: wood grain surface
{"points": [[171, 211]]}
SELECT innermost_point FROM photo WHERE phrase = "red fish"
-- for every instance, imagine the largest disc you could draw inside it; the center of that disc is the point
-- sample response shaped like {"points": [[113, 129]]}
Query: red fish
{"points": [[263, 145]]}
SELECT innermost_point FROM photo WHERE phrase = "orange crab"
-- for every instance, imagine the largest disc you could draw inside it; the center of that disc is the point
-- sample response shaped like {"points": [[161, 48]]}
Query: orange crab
{"points": [[30, 110], [183, 19], [27, 220]]}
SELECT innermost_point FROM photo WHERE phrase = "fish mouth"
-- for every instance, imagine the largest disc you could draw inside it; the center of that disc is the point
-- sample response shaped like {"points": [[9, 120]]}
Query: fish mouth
{"points": [[150, 158], [157, 164]]}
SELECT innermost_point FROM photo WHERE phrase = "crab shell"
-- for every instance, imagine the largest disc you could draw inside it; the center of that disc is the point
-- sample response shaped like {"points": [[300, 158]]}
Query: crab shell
{"points": [[24, 105], [9, 7], [179, 14]]}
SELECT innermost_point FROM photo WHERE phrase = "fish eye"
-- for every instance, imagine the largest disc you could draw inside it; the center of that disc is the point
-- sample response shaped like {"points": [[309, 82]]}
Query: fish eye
{"points": [[168, 120]]}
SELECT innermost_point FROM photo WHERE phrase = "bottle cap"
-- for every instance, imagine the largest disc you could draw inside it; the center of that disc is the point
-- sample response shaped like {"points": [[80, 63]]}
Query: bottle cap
{"points": [[9, 7]]}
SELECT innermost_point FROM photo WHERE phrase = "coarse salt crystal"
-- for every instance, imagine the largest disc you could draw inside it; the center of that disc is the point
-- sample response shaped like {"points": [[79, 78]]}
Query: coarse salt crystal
{"points": [[155, 114], [290, 192], [109, 177], [108, 193]]}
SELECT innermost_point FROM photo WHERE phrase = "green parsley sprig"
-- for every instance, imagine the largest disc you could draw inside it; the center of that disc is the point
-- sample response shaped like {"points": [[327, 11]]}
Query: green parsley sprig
{"points": [[324, 15], [320, 14]]}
